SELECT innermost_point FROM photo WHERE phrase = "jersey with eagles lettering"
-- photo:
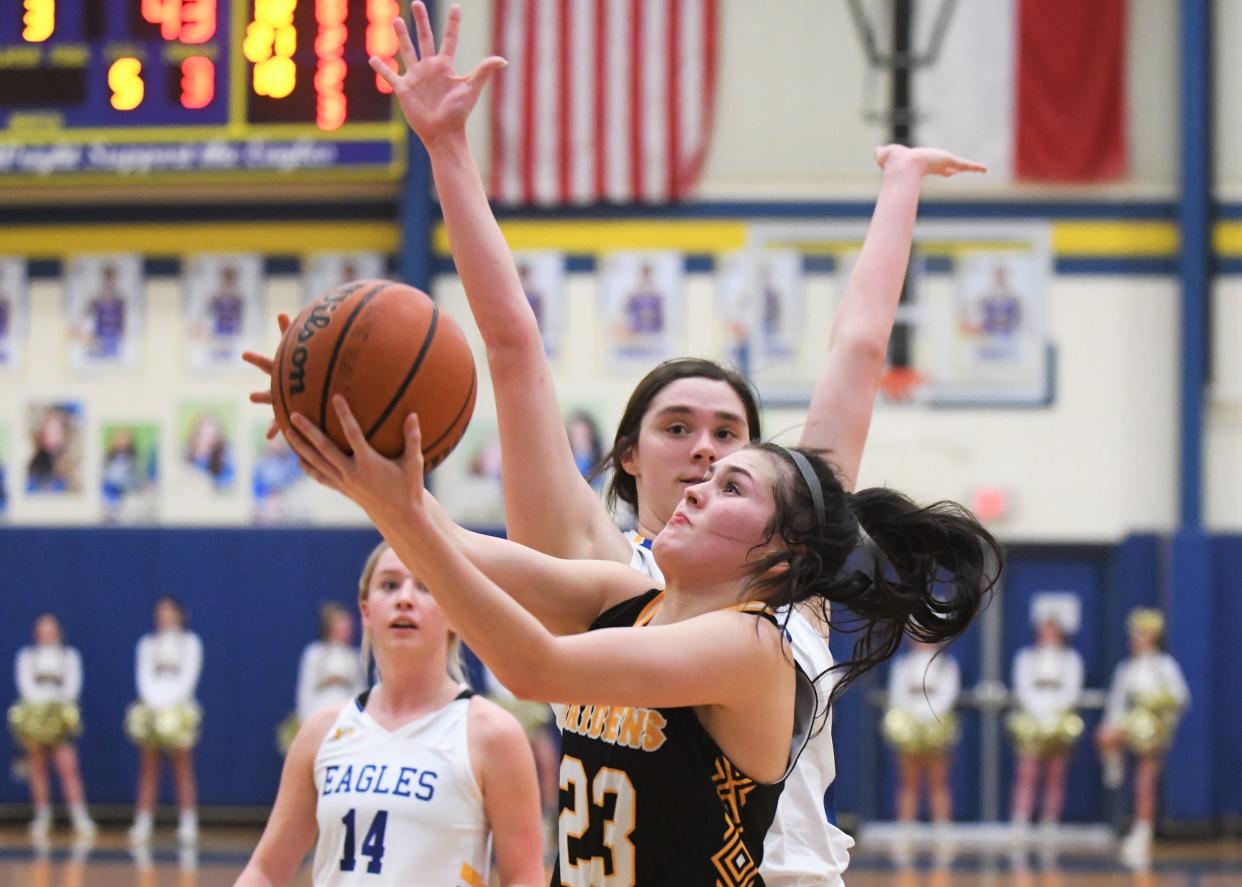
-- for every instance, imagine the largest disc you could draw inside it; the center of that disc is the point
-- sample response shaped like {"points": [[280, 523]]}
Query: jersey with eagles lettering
{"points": [[649, 798], [399, 807]]}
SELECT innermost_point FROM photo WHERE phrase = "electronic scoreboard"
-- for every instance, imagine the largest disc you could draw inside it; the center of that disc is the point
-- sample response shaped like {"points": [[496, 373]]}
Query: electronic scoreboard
{"points": [[133, 90]]}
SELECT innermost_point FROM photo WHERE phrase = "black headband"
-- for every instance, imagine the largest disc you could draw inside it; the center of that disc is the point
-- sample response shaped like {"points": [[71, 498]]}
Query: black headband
{"points": [[811, 479]]}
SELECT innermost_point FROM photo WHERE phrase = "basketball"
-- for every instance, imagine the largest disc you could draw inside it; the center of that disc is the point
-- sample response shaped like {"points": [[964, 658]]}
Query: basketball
{"points": [[390, 351]]}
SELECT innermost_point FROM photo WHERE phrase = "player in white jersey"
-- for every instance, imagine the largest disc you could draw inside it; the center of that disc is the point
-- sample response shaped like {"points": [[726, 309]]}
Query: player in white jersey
{"points": [[329, 672], [415, 780], [46, 719], [166, 718]]}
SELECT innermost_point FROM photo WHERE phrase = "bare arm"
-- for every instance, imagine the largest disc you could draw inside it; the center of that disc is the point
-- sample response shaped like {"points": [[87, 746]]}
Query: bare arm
{"points": [[291, 828], [841, 404], [548, 505], [613, 666], [506, 769]]}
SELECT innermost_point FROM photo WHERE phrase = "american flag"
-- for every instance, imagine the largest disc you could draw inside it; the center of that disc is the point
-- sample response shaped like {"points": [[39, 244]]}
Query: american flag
{"points": [[604, 101]]}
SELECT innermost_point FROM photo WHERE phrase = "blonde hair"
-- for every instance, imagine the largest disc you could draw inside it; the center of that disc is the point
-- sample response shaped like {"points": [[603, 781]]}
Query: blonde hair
{"points": [[455, 668]]}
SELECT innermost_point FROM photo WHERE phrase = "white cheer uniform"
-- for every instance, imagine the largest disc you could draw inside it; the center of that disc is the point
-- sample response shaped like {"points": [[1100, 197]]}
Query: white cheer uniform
{"points": [[802, 848], [1145, 675], [169, 665], [399, 807], [1047, 681], [328, 674], [48, 673], [924, 685]]}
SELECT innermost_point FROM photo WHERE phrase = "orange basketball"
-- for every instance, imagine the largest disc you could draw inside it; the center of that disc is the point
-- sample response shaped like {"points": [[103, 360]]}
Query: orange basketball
{"points": [[390, 351]]}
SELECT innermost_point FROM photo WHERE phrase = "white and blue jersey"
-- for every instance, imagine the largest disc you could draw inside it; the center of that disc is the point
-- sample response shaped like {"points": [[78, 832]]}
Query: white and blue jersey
{"points": [[399, 807], [803, 847]]}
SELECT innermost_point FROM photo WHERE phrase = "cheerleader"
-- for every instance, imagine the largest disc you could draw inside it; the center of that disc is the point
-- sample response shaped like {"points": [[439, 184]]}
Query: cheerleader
{"points": [[920, 725], [166, 718], [413, 781], [329, 673], [1145, 701], [46, 719], [1047, 683]]}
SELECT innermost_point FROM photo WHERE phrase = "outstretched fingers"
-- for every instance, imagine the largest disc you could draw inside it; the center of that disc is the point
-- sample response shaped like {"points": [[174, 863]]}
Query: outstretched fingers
{"points": [[484, 71], [412, 458], [405, 46], [353, 431], [448, 46], [422, 30]]}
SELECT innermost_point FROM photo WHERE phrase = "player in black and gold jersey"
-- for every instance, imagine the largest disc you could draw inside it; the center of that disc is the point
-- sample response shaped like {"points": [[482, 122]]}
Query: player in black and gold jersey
{"points": [[681, 713]]}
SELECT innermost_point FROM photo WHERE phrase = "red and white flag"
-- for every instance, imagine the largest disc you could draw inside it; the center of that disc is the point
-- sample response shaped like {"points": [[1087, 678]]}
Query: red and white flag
{"points": [[604, 101], [1034, 88]]}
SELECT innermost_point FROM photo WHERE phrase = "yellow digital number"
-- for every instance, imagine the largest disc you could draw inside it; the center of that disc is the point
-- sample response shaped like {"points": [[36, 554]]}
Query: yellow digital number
{"points": [[125, 81], [39, 20], [275, 77], [269, 44]]}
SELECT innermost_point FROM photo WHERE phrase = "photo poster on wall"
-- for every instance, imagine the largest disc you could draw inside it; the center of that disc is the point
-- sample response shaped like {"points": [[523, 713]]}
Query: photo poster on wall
{"points": [[468, 483], [206, 435], [223, 309], [542, 277], [14, 312], [104, 310], [759, 303], [324, 272], [53, 461], [129, 473], [589, 439], [281, 490], [997, 343], [643, 297]]}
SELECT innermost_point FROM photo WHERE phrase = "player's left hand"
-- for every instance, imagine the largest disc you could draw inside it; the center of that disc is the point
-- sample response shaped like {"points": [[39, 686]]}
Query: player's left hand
{"points": [[266, 365], [382, 487]]}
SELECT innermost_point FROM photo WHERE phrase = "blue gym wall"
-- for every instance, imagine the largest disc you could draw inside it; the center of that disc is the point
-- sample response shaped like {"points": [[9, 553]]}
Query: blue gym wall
{"points": [[253, 596]]}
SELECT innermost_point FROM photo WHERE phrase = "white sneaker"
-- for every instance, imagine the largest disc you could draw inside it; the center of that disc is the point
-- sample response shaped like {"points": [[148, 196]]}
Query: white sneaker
{"points": [[1019, 832], [1135, 850], [187, 828], [41, 825], [84, 826], [1049, 831], [140, 831]]}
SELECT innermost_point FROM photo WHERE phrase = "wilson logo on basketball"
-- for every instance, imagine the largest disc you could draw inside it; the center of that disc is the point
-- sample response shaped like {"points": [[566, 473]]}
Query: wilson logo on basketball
{"points": [[389, 351]]}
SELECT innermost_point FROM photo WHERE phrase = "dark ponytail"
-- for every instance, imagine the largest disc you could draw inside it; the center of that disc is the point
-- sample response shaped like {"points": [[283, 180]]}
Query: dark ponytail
{"points": [[894, 566]]}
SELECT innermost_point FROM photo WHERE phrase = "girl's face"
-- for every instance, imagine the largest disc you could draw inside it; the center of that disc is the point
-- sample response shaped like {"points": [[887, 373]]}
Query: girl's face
{"points": [[1142, 642], [399, 612], [47, 631], [689, 425], [340, 627], [719, 527], [167, 616], [1048, 634]]}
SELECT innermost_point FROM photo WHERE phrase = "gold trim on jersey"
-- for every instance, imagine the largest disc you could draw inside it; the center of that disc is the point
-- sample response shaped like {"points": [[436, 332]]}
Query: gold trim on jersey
{"points": [[653, 607], [734, 864], [638, 728], [732, 786]]}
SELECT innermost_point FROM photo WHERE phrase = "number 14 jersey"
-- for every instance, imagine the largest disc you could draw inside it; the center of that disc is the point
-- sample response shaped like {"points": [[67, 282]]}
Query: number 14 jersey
{"points": [[399, 807]]}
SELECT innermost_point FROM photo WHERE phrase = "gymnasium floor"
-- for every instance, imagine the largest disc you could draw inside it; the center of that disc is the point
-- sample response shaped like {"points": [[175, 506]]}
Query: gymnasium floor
{"points": [[223, 853]]}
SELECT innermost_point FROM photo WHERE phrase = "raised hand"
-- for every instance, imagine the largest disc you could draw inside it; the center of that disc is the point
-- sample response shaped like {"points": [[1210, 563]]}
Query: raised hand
{"points": [[931, 161], [266, 364], [434, 98]]}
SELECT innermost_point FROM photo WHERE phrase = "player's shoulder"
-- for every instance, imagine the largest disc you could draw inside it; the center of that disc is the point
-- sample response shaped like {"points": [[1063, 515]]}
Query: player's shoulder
{"points": [[317, 726], [490, 727]]}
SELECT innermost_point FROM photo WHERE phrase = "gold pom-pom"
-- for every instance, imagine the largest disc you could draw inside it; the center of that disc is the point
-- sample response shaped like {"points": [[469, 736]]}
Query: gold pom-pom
{"points": [[286, 730], [45, 723], [1044, 738], [912, 736], [174, 727]]}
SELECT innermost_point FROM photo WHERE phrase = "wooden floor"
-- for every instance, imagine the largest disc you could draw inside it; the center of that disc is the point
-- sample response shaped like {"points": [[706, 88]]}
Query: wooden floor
{"points": [[109, 862]]}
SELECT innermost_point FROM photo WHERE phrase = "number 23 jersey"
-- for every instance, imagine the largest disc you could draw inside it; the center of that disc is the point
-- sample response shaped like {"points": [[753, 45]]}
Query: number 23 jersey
{"points": [[399, 807], [648, 798]]}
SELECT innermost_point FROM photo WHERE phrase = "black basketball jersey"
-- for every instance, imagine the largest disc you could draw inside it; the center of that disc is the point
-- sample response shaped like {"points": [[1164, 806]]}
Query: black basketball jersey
{"points": [[648, 798]]}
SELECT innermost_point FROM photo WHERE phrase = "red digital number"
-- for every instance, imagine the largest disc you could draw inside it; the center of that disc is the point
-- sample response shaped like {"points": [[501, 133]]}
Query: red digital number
{"points": [[198, 82], [331, 108], [381, 40]]}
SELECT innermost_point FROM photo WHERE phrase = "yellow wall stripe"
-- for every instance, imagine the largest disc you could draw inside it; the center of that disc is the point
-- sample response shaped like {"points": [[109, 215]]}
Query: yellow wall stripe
{"points": [[1114, 239], [173, 239], [605, 235], [1227, 239]]}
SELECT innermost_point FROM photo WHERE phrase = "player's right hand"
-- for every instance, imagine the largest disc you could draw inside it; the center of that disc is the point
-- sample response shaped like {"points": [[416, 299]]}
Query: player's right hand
{"points": [[266, 364]]}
